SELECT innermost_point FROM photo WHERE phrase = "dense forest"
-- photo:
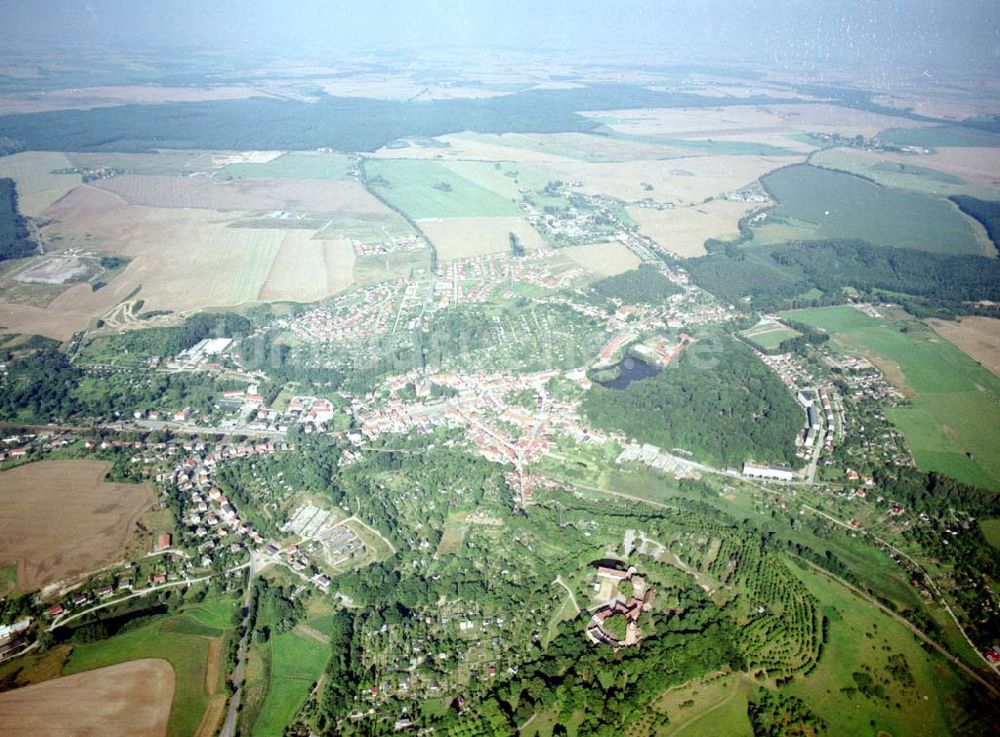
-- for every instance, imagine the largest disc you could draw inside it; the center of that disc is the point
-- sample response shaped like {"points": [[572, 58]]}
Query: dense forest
{"points": [[717, 401], [14, 241], [343, 123], [774, 276], [647, 284], [986, 212]]}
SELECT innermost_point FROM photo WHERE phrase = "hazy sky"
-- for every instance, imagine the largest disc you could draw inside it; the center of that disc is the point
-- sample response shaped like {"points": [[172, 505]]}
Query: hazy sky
{"points": [[922, 32]]}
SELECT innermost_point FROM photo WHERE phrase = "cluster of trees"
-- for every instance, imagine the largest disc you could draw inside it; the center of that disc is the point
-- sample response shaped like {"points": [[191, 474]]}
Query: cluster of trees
{"points": [[14, 241], [778, 715], [773, 277], [171, 341], [724, 406], [645, 285], [43, 385]]}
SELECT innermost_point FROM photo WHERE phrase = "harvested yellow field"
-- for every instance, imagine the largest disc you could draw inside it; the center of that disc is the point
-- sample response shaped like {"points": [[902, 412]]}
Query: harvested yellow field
{"points": [[456, 238], [684, 230], [303, 195], [756, 119], [85, 98], [977, 336], [979, 165], [127, 700], [37, 186], [182, 259], [306, 270], [603, 259], [61, 519], [678, 181]]}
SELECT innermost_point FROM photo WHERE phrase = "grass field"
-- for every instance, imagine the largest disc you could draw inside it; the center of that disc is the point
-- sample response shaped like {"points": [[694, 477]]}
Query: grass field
{"points": [[769, 335], [862, 639], [371, 229], [953, 408], [60, 518], [716, 706], [294, 165], [127, 700], [428, 189], [297, 662], [305, 269], [833, 204], [392, 266], [991, 531], [187, 653]]}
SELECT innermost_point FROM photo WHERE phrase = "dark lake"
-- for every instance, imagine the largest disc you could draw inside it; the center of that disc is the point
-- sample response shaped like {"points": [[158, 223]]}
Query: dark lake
{"points": [[629, 370]]}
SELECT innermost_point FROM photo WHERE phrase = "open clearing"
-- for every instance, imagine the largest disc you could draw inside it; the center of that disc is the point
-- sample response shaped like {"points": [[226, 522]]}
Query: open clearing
{"points": [[37, 186], [951, 422], [862, 639], [832, 204], [297, 661], [60, 518], [305, 270], [127, 700], [603, 259], [977, 336], [684, 181], [309, 195], [684, 230], [568, 147], [769, 335], [456, 238], [427, 189]]}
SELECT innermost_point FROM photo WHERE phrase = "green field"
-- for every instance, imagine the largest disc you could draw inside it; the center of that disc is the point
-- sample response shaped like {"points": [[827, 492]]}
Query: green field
{"points": [[945, 135], [295, 165], [832, 204], [508, 179], [428, 189], [991, 531], [863, 639], [952, 423], [898, 175], [297, 662], [375, 229], [181, 640], [770, 335]]}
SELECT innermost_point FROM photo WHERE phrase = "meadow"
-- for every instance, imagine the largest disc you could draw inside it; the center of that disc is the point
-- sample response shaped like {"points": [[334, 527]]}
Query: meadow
{"points": [[911, 692], [831, 204], [768, 336], [950, 419], [297, 662], [945, 135], [428, 189]]}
